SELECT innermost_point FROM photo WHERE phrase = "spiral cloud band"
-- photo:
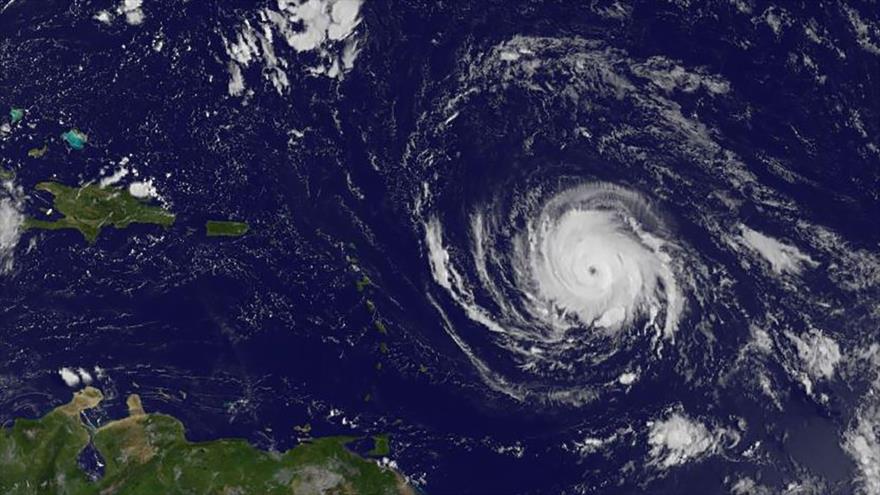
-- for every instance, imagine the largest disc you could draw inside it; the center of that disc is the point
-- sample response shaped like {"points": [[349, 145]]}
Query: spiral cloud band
{"points": [[581, 277]]}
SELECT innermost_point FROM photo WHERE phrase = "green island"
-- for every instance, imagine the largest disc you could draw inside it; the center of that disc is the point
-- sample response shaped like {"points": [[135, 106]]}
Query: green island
{"points": [[363, 283], [90, 208], [217, 228], [38, 152], [381, 446], [149, 454], [16, 115]]}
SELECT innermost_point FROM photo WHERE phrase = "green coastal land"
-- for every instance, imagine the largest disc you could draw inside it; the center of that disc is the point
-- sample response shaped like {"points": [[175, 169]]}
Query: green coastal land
{"points": [[217, 228], [90, 208], [149, 454]]}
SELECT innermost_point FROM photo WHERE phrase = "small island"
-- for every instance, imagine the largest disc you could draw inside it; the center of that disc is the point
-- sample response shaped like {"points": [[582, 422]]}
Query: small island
{"points": [[90, 208], [75, 138], [38, 152], [149, 454], [223, 228], [16, 115]]}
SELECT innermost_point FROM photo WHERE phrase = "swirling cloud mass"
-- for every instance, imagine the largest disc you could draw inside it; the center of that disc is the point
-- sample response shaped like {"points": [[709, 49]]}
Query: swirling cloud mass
{"points": [[589, 275]]}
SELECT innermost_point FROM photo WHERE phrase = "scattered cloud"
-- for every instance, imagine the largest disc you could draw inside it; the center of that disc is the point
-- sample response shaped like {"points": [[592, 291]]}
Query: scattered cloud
{"points": [[783, 258], [131, 10], [75, 377], [322, 27], [679, 439]]}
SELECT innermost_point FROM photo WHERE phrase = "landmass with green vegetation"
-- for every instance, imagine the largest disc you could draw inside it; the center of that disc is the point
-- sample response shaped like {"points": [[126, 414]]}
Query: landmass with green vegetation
{"points": [[90, 208], [38, 152], [149, 454], [381, 446], [217, 228], [363, 283]]}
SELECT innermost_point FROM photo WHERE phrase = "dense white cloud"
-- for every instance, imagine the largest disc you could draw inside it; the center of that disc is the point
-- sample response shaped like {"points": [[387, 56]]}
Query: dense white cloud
{"points": [[679, 439], [11, 222], [819, 353], [131, 10], [782, 257], [70, 377], [862, 439]]}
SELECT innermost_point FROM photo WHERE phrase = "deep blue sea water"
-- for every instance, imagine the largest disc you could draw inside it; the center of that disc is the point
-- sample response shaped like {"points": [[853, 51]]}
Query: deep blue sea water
{"points": [[720, 113]]}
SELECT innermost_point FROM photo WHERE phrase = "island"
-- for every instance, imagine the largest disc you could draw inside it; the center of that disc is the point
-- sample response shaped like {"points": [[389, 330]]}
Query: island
{"points": [[218, 228], [16, 115], [38, 152], [90, 208], [381, 446], [75, 138], [149, 454]]}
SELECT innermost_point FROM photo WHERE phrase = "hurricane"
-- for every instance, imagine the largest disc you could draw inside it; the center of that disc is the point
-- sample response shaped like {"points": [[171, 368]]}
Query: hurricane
{"points": [[591, 257], [568, 283], [577, 250], [524, 247], [575, 275]]}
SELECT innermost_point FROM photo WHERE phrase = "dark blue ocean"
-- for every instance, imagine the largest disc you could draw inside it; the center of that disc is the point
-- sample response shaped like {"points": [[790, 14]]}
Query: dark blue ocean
{"points": [[721, 113]]}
